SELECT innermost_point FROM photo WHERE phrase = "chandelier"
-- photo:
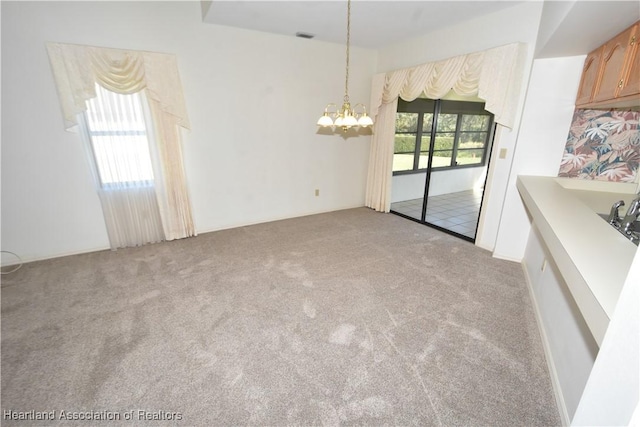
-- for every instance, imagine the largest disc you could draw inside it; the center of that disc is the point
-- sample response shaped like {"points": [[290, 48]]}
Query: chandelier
{"points": [[346, 117]]}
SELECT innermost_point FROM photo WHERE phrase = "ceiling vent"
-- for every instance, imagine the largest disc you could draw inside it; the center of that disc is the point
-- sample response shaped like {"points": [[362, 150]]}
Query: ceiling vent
{"points": [[305, 35]]}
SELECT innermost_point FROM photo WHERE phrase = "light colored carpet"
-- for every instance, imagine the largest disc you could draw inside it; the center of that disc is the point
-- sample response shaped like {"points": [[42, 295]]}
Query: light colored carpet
{"points": [[350, 317]]}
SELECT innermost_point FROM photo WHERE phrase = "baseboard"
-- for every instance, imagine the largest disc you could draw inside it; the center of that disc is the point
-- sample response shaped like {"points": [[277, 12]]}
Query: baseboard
{"points": [[26, 259], [506, 257], [481, 245], [276, 218], [198, 231], [555, 381]]}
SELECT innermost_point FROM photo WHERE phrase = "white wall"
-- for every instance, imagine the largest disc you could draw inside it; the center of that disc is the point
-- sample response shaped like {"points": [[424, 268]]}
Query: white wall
{"points": [[517, 23], [252, 155], [407, 187], [452, 181], [411, 186], [543, 134], [613, 390]]}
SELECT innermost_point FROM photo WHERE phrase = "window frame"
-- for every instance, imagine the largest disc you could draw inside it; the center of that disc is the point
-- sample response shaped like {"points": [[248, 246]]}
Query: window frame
{"points": [[437, 108]]}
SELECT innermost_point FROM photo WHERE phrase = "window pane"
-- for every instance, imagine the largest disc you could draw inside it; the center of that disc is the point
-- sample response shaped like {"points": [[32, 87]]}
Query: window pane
{"points": [[474, 122], [469, 157], [117, 131], [447, 122], [425, 142], [442, 158], [423, 162], [405, 143], [427, 123], [112, 112], [444, 141], [404, 151], [424, 151], [402, 162], [472, 140], [406, 122], [122, 158]]}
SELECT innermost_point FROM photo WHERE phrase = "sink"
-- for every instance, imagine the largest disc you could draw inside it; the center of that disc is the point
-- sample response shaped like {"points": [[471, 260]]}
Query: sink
{"points": [[636, 226]]}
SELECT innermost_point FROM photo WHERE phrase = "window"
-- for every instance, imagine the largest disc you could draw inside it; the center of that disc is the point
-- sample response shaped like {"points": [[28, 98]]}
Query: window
{"points": [[461, 136], [133, 141], [118, 134]]}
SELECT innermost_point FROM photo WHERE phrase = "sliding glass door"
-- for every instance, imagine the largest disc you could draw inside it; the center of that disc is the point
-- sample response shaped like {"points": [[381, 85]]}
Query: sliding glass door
{"points": [[440, 163], [412, 144]]}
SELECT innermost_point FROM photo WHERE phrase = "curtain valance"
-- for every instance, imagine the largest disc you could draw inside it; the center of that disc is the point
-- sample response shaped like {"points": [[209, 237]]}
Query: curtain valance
{"points": [[493, 75], [77, 68]]}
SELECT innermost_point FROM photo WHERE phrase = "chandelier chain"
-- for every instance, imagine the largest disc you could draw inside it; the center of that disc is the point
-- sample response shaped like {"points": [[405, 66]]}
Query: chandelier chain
{"points": [[346, 79], [346, 116]]}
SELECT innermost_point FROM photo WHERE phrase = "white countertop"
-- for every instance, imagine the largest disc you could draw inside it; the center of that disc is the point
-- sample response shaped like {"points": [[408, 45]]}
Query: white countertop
{"points": [[592, 256]]}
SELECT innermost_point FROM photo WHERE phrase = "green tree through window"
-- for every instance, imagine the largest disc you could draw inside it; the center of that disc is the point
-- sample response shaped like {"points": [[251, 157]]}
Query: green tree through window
{"points": [[461, 137]]}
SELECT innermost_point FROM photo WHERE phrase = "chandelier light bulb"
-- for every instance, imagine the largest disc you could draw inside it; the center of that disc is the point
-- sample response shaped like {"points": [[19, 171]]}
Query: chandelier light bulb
{"points": [[325, 120], [349, 121], [365, 121]]}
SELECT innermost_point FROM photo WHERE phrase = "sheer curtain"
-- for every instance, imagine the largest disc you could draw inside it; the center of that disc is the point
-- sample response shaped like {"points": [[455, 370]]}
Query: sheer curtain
{"points": [[494, 75], [117, 132], [83, 73]]}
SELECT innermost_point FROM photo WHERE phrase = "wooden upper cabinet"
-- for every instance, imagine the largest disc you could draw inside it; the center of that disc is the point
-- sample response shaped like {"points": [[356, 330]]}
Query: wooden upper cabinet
{"points": [[611, 73], [589, 77], [612, 66], [631, 80]]}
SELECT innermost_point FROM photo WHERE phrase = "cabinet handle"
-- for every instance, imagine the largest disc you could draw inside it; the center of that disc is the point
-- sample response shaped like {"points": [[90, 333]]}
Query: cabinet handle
{"points": [[620, 82], [633, 41]]}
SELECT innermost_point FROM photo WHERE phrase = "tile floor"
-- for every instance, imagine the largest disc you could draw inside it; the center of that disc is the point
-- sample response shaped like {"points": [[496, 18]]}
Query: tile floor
{"points": [[457, 212]]}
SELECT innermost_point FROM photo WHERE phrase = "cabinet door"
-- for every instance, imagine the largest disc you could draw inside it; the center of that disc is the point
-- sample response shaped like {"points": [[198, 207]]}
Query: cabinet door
{"points": [[631, 79], [589, 77], [613, 59]]}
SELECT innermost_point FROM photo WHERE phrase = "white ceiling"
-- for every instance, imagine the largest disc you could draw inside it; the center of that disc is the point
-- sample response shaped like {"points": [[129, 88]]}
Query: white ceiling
{"points": [[567, 28], [373, 23]]}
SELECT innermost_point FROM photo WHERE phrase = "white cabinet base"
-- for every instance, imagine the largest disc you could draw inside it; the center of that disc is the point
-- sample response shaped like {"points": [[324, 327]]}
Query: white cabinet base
{"points": [[570, 349]]}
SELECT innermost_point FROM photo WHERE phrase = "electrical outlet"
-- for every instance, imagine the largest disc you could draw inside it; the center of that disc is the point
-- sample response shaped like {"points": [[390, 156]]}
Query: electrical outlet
{"points": [[503, 153], [317, 192]]}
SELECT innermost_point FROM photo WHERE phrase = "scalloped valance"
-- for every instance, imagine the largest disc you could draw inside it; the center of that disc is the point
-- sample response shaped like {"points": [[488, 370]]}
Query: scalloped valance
{"points": [[77, 68], [493, 75]]}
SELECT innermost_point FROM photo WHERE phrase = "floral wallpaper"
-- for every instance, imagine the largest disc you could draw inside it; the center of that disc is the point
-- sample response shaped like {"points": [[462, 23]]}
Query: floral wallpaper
{"points": [[603, 146]]}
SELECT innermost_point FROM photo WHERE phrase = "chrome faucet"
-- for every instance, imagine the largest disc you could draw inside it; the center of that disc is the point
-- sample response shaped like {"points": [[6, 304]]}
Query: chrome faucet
{"points": [[626, 225], [614, 217]]}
